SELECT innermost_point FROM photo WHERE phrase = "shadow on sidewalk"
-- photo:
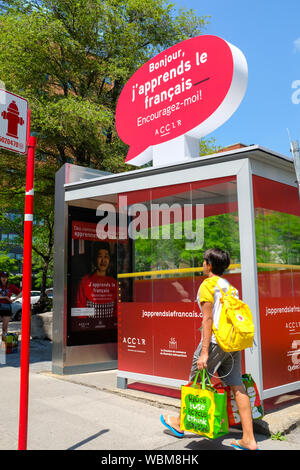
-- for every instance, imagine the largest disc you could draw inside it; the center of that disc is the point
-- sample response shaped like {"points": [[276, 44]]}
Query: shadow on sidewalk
{"points": [[40, 352], [88, 439]]}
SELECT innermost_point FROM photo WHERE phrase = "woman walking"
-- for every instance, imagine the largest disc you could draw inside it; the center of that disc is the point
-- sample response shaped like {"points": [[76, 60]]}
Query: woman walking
{"points": [[6, 291]]}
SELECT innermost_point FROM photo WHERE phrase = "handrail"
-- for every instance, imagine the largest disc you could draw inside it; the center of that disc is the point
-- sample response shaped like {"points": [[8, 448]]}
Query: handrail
{"points": [[199, 269]]}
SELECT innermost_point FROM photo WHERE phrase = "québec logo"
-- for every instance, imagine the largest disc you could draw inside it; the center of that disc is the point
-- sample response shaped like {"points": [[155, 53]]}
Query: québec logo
{"points": [[294, 354]]}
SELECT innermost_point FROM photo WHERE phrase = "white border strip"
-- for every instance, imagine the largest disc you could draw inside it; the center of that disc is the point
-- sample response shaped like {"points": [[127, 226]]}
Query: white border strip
{"points": [[186, 175], [274, 392], [153, 379]]}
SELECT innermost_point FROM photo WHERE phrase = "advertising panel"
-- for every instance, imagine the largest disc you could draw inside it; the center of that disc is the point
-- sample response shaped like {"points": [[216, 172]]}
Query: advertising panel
{"points": [[190, 89], [159, 338], [95, 298], [277, 225], [92, 286], [280, 333], [151, 339]]}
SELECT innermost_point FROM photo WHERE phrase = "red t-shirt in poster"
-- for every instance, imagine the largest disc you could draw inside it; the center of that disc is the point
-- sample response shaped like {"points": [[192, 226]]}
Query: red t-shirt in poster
{"points": [[99, 292]]}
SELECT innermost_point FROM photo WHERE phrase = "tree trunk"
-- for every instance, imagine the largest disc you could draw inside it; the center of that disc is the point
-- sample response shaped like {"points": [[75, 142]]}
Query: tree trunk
{"points": [[44, 276]]}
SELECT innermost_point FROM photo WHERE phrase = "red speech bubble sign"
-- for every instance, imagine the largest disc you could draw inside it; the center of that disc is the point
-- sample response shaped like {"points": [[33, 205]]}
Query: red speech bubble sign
{"points": [[191, 89]]}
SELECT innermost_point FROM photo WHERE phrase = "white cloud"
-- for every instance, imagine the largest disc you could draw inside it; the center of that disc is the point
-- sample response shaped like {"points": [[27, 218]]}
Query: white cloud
{"points": [[297, 45]]}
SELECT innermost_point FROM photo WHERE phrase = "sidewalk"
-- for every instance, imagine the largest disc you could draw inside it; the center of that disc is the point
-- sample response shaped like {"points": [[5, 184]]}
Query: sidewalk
{"points": [[88, 411], [283, 420]]}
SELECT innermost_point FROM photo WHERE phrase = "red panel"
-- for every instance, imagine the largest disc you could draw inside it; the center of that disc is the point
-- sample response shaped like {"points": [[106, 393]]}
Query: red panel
{"points": [[142, 195], [171, 289], [158, 332], [275, 196], [158, 338], [280, 340]]}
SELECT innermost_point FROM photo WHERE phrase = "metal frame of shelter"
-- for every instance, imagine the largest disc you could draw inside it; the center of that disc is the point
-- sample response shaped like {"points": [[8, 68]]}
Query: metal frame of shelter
{"points": [[87, 187]]}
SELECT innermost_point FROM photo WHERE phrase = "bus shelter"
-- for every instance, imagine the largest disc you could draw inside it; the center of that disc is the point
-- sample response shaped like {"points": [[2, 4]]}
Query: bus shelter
{"points": [[142, 317]]}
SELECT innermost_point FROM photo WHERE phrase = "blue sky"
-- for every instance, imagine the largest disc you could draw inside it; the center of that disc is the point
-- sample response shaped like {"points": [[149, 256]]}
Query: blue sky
{"points": [[268, 33]]}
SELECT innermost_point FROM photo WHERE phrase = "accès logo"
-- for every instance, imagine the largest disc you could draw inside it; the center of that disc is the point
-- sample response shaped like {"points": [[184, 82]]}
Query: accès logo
{"points": [[134, 341]]}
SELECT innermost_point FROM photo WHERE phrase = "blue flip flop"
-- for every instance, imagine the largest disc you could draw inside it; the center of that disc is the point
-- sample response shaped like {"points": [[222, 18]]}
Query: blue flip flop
{"points": [[235, 444], [173, 431]]}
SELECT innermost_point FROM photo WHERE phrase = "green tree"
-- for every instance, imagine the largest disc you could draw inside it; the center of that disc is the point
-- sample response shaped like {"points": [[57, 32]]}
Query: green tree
{"points": [[8, 264], [220, 230], [12, 198], [208, 146], [70, 59], [277, 237]]}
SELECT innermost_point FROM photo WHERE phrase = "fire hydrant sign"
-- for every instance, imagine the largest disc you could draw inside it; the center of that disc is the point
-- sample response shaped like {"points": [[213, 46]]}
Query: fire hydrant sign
{"points": [[190, 89], [13, 122]]}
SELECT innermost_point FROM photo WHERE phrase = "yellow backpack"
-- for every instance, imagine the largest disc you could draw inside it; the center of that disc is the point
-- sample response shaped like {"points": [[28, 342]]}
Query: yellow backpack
{"points": [[236, 327]]}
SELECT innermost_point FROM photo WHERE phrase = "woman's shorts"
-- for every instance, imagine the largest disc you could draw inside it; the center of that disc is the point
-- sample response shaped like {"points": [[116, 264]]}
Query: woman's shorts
{"points": [[5, 310], [228, 365]]}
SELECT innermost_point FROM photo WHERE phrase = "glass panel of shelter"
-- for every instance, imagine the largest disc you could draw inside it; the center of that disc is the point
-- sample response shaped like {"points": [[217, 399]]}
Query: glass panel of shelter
{"points": [[277, 231], [169, 228]]}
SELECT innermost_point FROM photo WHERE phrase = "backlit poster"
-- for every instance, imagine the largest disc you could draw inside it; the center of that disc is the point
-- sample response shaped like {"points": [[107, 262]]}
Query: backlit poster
{"points": [[94, 303], [93, 286]]}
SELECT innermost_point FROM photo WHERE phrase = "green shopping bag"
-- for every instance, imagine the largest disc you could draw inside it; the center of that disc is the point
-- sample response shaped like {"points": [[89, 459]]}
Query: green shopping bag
{"points": [[255, 403], [204, 409]]}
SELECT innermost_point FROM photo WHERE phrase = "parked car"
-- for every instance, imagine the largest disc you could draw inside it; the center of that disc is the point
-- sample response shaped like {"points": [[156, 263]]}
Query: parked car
{"points": [[16, 305], [16, 311], [49, 292], [34, 297]]}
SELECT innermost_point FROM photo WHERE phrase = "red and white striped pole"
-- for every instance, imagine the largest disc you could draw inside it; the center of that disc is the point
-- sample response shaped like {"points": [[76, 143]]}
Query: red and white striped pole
{"points": [[26, 288]]}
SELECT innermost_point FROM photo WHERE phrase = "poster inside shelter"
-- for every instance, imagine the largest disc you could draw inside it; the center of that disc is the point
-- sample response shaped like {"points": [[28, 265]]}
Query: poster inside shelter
{"points": [[93, 286]]}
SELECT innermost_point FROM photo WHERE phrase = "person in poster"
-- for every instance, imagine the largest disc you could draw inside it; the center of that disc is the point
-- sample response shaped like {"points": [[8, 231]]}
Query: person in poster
{"points": [[99, 291]]}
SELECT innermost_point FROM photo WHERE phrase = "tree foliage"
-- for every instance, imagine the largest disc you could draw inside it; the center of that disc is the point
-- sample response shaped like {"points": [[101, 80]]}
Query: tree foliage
{"points": [[221, 230], [70, 60], [277, 237], [8, 264], [277, 242], [12, 198]]}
